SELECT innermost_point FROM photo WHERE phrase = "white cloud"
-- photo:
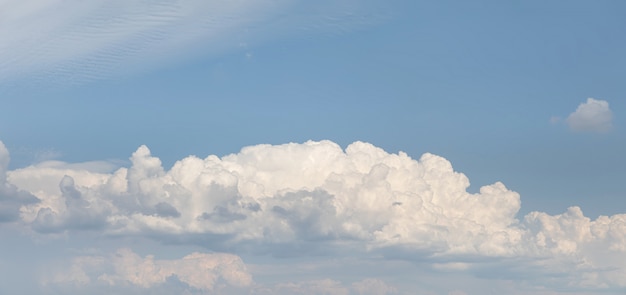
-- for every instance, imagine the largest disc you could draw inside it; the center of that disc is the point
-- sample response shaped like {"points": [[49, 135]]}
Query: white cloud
{"points": [[126, 272], [291, 193], [591, 116], [200, 271], [315, 197], [11, 198], [74, 41]]}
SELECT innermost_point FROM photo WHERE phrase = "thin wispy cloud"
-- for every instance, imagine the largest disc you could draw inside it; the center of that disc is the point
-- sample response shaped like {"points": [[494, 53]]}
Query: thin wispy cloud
{"points": [[307, 199], [77, 41]]}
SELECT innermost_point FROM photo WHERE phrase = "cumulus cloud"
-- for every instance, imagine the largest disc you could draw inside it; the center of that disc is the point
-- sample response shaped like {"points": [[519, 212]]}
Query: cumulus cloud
{"points": [[591, 116], [315, 197], [198, 271], [74, 41], [11, 198], [293, 193], [126, 272]]}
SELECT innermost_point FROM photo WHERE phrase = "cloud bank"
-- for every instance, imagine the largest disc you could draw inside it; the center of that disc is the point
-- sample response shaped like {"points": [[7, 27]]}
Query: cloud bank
{"points": [[126, 272], [591, 116], [76, 41], [199, 271], [316, 198]]}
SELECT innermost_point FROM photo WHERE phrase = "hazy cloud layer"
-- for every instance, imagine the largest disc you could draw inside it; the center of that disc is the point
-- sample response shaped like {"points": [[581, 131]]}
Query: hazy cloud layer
{"points": [[316, 198], [197, 271], [125, 272], [330, 287], [591, 116], [75, 41]]}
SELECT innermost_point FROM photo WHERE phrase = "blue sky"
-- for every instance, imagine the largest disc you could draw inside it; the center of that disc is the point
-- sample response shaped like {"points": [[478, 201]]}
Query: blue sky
{"points": [[500, 90]]}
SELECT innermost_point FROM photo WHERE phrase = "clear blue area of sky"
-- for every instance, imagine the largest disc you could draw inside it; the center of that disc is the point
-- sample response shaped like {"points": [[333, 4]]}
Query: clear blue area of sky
{"points": [[474, 81]]}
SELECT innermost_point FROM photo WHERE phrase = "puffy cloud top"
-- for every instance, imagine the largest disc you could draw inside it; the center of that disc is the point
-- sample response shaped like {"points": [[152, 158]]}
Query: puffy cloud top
{"points": [[267, 195], [296, 199], [591, 116]]}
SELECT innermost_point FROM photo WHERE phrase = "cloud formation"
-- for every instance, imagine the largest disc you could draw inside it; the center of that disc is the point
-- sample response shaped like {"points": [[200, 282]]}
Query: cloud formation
{"points": [[74, 41], [591, 116], [313, 192], [198, 271], [316, 198], [11, 198], [126, 272]]}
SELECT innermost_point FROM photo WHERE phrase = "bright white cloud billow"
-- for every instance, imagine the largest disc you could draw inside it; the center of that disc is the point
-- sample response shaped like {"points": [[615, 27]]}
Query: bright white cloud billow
{"points": [[591, 116], [74, 41], [315, 197]]}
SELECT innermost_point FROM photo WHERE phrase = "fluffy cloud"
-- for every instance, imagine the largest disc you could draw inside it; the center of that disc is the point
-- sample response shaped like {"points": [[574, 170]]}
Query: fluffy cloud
{"points": [[315, 197], [198, 271], [125, 272], [78, 40], [591, 116], [11, 199], [590, 254], [311, 193]]}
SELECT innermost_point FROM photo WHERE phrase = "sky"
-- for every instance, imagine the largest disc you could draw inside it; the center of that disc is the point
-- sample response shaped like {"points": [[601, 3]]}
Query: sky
{"points": [[325, 147]]}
